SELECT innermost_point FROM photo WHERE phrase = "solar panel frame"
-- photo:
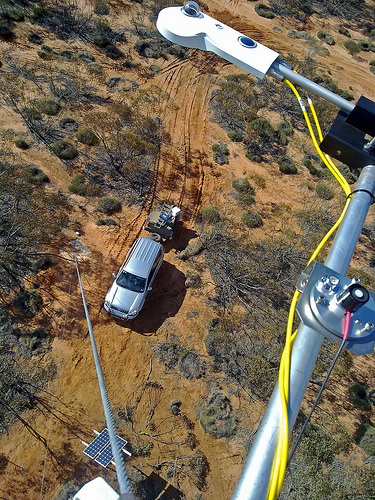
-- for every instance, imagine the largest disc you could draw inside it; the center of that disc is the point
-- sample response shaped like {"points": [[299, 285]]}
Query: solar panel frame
{"points": [[106, 455], [97, 445]]}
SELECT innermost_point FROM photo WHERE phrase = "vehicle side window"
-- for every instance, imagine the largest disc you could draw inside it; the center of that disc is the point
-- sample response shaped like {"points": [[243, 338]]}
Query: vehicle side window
{"points": [[152, 272]]}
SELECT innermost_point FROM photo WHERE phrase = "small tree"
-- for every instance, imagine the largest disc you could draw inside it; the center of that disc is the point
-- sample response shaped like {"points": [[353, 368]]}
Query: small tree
{"points": [[87, 136]]}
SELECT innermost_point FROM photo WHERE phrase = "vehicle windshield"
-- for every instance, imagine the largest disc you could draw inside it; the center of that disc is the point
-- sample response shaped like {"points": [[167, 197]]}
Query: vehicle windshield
{"points": [[131, 282]]}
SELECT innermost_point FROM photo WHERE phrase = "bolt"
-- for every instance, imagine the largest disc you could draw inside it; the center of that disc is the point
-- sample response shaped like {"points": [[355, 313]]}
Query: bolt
{"points": [[358, 322], [320, 299]]}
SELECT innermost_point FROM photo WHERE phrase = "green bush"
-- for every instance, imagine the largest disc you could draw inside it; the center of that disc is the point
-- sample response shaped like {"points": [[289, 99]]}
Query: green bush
{"points": [[36, 176], [101, 41], [263, 128], [372, 62], [235, 136], [15, 14], [367, 443], [217, 417], [260, 181], [352, 47], [358, 396], [5, 32], [33, 114], [325, 37], [101, 8], [39, 13], [86, 56], [287, 166], [323, 191], [87, 136], [108, 205], [78, 185], [285, 127], [35, 38], [210, 215], [106, 221], [252, 219], [28, 303], [94, 68], [49, 106], [68, 124], [221, 153], [264, 11], [365, 46], [242, 185], [21, 143], [112, 52], [344, 32], [64, 150]]}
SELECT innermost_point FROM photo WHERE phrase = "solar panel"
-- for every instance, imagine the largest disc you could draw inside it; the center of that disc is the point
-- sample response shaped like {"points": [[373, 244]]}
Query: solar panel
{"points": [[99, 443], [106, 455]]}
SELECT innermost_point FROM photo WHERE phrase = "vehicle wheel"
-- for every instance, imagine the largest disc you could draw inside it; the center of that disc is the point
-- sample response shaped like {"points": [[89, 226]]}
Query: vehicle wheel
{"points": [[155, 237]]}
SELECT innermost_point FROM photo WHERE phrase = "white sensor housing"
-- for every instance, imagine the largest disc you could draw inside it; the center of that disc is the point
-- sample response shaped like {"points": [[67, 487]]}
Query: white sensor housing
{"points": [[189, 27]]}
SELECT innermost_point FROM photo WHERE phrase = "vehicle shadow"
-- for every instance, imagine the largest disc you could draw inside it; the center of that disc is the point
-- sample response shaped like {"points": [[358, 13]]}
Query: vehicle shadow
{"points": [[180, 239], [163, 301]]}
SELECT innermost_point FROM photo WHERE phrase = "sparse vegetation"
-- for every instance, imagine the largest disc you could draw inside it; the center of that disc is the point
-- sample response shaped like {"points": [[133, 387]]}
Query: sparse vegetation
{"points": [[210, 215], [87, 136], [323, 191], [49, 106], [64, 150], [358, 396], [252, 219], [108, 205]]}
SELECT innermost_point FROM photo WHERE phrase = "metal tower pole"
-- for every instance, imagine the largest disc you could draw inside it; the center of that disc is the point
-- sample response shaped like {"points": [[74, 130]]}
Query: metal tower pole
{"points": [[254, 480], [122, 477]]}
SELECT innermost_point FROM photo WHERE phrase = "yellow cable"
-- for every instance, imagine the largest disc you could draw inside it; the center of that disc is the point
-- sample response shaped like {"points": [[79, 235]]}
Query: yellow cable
{"points": [[281, 455]]}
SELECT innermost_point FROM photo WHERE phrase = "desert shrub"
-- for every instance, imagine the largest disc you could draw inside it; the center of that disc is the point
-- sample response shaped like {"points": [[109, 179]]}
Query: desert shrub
{"points": [[106, 221], [210, 214], [287, 166], [372, 62], [5, 32], [101, 8], [108, 205], [252, 219], [344, 31], [21, 143], [64, 150], [49, 106], [191, 365], [36, 176], [87, 136], [35, 38], [221, 153], [155, 69], [112, 52], [367, 442], [78, 185], [323, 191], [32, 114], [264, 11], [68, 124], [235, 136], [192, 278], [352, 46], [42, 263], [168, 352], [253, 152], [101, 41], [28, 303], [365, 46], [358, 396], [199, 467], [263, 128], [216, 417], [15, 14], [325, 37], [242, 185], [259, 181], [39, 13], [86, 56], [94, 68], [285, 127]]}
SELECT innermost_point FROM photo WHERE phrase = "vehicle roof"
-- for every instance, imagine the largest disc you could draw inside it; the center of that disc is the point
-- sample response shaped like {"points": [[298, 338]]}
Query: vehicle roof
{"points": [[142, 257]]}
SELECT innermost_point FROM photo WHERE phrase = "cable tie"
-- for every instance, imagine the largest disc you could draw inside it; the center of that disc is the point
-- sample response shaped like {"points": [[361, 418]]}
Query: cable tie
{"points": [[361, 190], [301, 104], [308, 98]]}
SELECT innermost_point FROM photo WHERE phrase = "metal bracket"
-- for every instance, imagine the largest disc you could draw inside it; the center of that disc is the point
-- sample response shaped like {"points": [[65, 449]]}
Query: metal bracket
{"points": [[319, 308]]}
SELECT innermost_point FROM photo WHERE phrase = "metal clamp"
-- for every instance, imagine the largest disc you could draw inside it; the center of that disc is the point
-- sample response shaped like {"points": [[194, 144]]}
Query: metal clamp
{"points": [[327, 296]]}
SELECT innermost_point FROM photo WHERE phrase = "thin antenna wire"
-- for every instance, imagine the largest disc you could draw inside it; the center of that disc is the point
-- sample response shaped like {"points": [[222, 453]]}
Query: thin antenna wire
{"points": [[116, 448], [346, 332], [55, 391]]}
